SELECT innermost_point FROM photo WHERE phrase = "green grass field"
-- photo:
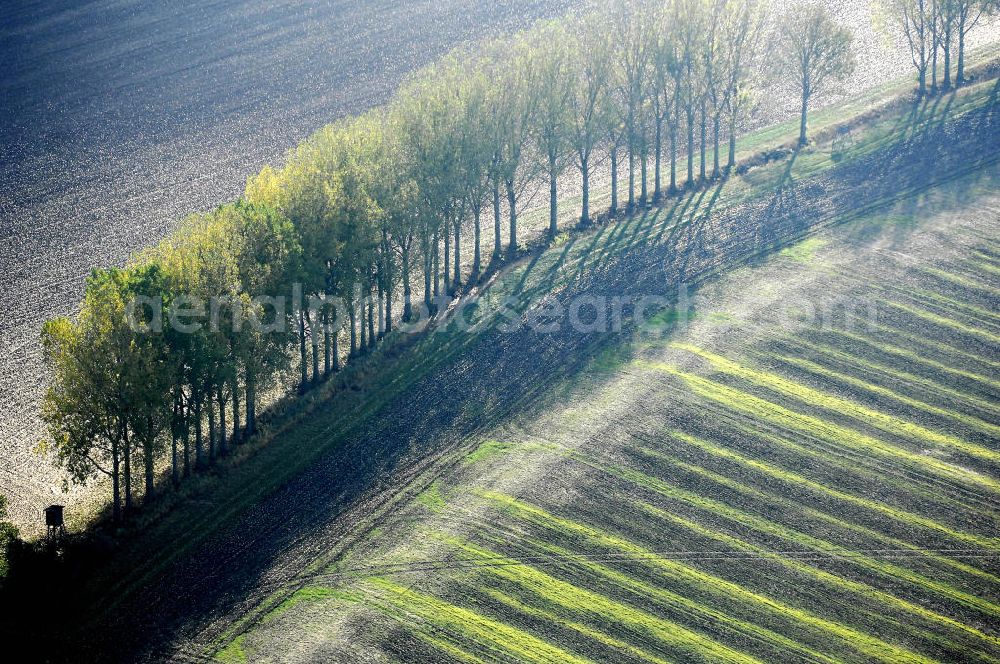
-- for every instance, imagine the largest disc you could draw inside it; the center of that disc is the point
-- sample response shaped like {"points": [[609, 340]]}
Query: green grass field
{"points": [[802, 465]]}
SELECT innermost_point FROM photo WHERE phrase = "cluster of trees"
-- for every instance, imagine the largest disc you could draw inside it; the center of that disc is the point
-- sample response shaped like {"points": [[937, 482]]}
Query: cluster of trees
{"points": [[369, 204], [124, 382], [933, 29]]}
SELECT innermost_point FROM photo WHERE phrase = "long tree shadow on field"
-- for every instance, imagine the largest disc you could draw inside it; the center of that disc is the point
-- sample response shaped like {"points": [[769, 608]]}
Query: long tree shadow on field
{"points": [[481, 380]]}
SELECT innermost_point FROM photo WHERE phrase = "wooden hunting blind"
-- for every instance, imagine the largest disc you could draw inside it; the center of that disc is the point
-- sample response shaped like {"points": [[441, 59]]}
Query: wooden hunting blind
{"points": [[54, 521]]}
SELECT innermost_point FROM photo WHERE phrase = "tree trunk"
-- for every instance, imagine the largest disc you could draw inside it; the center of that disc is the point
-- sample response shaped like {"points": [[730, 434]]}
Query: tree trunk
{"points": [[223, 443], [211, 426], [934, 62], [407, 291], [477, 213], [363, 346], [336, 350], [371, 320], [675, 121], [436, 263], [585, 174], [175, 475], [947, 61], [690, 150], [631, 178], [803, 124], [673, 156], [643, 171], [237, 433], [428, 265], [352, 316], [326, 342], [497, 240], [251, 405], [388, 307], [960, 77], [186, 408], [658, 149], [380, 296], [512, 211], [731, 163], [128, 475], [197, 431], [922, 70], [116, 491], [614, 180], [147, 458], [553, 199], [702, 170], [457, 254], [302, 350], [447, 255], [716, 131], [314, 337]]}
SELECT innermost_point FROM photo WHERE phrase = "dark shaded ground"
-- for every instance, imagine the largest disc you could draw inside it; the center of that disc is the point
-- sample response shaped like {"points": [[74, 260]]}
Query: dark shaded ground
{"points": [[118, 118], [474, 385]]}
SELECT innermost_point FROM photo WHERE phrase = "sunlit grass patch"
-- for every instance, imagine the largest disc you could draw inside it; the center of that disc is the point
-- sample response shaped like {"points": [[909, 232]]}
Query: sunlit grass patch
{"points": [[953, 279], [924, 345], [816, 398], [722, 590], [670, 600], [804, 251], [947, 508], [875, 602], [755, 496], [311, 594], [944, 322], [597, 608], [233, 652], [897, 357], [986, 255], [489, 449], [796, 482], [985, 265], [764, 410], [431, 498], [864, 386], [611, 359], [575, 626], [972, 315], [459, 626]]}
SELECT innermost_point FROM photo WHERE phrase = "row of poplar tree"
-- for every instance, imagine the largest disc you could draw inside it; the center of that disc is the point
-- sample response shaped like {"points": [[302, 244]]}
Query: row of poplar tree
{"points": [[370, 204], [934, 31]]}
